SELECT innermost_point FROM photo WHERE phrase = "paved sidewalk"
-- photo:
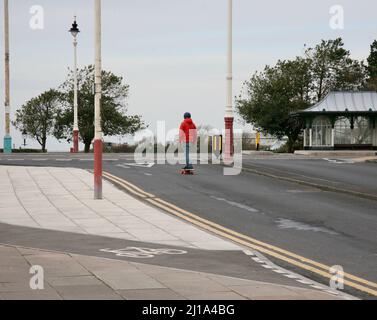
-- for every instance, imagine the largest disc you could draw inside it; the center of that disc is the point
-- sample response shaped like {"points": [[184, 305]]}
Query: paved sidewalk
{"points": [[62, 199], [77, 277], [53, 209]]}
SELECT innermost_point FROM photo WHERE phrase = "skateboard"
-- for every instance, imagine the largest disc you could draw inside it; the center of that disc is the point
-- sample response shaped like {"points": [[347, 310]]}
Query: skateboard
{"points": [[187, 172]]}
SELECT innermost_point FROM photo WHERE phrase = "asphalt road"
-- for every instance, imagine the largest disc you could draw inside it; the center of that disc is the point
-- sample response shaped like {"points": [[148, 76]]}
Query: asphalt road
{"points": [[331, 228], [360, 177]]}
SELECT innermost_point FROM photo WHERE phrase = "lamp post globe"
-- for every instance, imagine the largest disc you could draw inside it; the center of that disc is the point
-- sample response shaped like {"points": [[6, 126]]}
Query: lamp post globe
{"points": [[75, 29], [74, 32]]}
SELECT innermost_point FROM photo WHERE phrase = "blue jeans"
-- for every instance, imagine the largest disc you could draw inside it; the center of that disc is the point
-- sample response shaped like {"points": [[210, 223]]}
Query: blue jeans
{"points": [[187, 154]]}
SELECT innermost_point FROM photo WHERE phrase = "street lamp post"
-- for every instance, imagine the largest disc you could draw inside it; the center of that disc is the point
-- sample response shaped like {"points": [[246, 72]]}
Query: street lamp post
{"points": [[7, 137], [24, 137], [97, 106], [229, 116], [75, 31]]}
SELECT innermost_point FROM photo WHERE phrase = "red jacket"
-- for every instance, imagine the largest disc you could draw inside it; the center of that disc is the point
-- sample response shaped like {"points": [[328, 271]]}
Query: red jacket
{"points": [[188, 132]]}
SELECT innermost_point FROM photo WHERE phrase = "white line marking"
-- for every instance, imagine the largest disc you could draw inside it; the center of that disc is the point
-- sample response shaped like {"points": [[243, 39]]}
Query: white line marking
{"points": [[298, 278], [249, 253], [305, 282], [141, 165], [279, 271], [238, 205], [318, 287], [331, 292], [336, 161], [123, 166]]}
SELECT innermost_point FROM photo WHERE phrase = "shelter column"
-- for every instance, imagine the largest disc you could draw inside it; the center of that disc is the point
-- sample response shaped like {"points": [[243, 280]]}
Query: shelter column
{"points": [[306, 129], [311, 138], [311, 133], [374, 132], [333, 137], [333, 121], [305, 142], [352, 128]]}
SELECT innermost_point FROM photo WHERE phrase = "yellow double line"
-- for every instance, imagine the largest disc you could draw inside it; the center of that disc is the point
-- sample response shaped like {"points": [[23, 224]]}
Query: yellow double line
{"points": [[246, 241]]}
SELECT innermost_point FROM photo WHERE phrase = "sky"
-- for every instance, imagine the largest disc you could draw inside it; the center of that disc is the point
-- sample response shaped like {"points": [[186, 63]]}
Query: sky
{"points": [[172, 53]]}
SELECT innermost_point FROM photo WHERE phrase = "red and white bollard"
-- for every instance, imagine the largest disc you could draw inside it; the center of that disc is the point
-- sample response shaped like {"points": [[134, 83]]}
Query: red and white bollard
{"points": [[98, 169], [229, 140], [229, 116]]}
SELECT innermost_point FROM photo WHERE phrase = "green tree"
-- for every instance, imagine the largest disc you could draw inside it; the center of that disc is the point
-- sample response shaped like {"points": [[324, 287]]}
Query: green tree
{"points": [[113, 107], [372, 67], [333, 69], [37, 116], [271, 97]]}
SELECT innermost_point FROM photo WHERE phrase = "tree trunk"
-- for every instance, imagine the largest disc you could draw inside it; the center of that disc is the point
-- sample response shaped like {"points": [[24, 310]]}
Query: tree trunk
{"points": [[44, 145], [290, 144], [87, 147]]}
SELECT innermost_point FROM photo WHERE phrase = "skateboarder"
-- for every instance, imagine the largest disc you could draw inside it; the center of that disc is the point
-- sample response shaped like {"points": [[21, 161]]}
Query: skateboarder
{"points": [[188, 137]]}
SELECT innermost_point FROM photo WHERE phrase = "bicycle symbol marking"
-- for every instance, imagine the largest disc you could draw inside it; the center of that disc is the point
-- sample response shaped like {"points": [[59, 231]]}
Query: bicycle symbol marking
{"points": [[143, 253]]}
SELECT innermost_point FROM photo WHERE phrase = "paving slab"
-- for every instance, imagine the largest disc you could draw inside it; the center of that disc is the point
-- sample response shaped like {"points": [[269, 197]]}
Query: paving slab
{"points": [[87, 292], [152, 294], [107, 279], [68, 205]]}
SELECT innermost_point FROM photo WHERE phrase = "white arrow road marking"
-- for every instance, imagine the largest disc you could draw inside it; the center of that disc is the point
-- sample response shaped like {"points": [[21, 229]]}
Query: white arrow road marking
{"points": [[336, 161], [286, 224]]}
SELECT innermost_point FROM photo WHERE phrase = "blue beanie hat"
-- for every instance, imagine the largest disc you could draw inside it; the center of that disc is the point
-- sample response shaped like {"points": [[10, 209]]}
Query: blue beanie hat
{"points": [[187, 115]]}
